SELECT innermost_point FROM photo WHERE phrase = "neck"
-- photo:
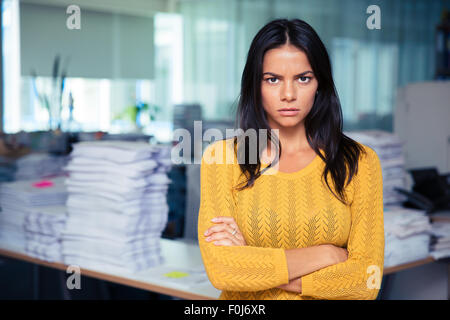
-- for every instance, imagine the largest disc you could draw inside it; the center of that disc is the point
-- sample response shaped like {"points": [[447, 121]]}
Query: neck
{"points": [[293, 139]]}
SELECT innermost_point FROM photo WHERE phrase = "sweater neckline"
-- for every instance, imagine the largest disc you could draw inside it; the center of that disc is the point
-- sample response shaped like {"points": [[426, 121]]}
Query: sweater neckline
{"points": [[296, 174]]}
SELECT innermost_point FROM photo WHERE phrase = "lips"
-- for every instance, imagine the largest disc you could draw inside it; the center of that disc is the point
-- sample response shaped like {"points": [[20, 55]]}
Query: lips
{"points": [[288, 112]]}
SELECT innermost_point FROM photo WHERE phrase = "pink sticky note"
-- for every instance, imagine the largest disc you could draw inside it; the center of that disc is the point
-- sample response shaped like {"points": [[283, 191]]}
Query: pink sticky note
{"points": [[43, 184]]}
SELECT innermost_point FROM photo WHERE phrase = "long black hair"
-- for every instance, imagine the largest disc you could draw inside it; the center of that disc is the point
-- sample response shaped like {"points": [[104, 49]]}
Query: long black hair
{"points": [[323, 124]]}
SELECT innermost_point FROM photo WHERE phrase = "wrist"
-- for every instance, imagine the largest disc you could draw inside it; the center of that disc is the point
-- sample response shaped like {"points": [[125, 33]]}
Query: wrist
{"points": [[325, 255], [328, 254], [302, 261]]}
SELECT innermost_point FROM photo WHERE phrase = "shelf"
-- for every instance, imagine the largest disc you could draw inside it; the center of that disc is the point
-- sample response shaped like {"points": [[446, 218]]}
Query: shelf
{"points": [[409, 265]]}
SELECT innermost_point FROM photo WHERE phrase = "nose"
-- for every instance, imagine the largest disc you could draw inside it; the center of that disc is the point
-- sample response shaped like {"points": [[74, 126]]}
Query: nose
{"points": [[288, 92]]}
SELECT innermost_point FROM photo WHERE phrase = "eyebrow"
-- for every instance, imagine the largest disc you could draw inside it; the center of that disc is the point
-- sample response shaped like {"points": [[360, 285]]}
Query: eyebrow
{"points": [[280, 76]]}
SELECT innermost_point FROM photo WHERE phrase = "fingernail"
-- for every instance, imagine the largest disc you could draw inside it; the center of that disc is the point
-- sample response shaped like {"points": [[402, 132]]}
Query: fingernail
{"points": [[215, 219], [206, 232], [208, 239]]}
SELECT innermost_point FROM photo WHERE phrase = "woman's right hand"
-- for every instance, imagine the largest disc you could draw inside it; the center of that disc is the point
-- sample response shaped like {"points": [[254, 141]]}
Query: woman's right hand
{"points": [[336, 254]]}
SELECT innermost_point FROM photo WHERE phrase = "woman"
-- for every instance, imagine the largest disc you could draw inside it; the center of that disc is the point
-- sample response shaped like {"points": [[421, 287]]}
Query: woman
{"points": [[313, 228]]}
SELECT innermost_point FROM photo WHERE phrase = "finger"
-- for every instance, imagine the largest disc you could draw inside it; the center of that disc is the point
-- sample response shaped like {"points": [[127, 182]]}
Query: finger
{"points": [[237, 238], [226, 227], [223, 236], [219, 228], [224, 242], [224, 219]]}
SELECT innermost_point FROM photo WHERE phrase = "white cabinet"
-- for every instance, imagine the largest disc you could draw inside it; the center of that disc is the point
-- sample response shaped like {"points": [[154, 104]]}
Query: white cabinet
{"points": [[422, 121]]}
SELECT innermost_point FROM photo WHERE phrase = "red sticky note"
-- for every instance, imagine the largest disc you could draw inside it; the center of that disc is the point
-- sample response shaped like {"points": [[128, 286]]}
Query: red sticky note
{"points": [[43, 184]]}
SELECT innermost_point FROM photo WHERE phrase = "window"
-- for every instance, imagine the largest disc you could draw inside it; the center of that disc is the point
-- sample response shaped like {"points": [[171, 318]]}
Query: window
{"points": [[11, 66], [365, 75], [99, 102]]}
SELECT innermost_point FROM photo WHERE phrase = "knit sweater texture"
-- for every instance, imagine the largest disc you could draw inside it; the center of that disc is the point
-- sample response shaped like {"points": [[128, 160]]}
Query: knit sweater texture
{"points": [[292, 210]]}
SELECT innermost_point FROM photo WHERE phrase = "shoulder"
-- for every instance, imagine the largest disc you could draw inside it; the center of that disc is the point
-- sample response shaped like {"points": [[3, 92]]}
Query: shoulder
{"points": [[369, 161], [368, 155]]}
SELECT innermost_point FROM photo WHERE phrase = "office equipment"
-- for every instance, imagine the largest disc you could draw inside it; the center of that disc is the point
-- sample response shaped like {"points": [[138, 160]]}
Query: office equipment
{"points": [[430, 191], [193, 180], [184, 116], [176, 198]]}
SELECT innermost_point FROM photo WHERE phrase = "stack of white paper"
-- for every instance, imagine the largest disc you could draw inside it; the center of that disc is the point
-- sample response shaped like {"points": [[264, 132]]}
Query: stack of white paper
{"points": [[440, 245], [389, 149], [43, 227], [39, 165], [32, 216], [407, 235], [117, 206]]}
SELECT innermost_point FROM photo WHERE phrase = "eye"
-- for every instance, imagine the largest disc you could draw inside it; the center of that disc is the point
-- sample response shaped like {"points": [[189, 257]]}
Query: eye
{"points": [[272, 82], [305, 79]]}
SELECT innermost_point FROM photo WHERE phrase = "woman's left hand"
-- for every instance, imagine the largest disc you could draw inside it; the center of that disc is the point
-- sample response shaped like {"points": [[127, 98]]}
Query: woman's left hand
{"points": [[225, 233]]}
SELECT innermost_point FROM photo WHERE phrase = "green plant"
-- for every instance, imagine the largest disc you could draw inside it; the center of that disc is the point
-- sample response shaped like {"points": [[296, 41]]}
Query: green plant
{"points": [[133, 113], [52, 100]]}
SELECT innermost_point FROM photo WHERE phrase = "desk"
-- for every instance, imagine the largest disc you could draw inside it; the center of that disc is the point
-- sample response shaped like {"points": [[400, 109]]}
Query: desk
{"points": [[176, 253], [440, 216]]}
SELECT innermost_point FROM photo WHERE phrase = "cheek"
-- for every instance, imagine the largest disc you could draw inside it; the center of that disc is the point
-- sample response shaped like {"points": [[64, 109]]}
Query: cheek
{"points": [[307, 98], [270, 98]]}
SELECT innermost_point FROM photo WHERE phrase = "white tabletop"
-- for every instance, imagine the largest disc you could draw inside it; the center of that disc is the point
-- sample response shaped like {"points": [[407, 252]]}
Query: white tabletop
{"points": [[181, 275]]}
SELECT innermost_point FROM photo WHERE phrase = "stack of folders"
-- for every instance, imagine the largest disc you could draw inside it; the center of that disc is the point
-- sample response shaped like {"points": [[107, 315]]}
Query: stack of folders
{"points": [[389, 149], [407, 235], [32, 217], [440, 239], [39, 165], [117, 205]]}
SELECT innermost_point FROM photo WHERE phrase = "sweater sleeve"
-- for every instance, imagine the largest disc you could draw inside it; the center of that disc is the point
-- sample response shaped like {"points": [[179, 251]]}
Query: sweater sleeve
{"points": [[358, 278], [235, 268]]}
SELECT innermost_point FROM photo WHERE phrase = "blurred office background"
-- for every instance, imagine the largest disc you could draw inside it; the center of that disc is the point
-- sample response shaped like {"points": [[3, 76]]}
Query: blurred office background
{"points": [[139, 69]]}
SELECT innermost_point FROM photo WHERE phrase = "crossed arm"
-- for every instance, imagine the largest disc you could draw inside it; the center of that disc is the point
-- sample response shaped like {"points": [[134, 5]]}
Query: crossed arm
{"points": [[300, 261]]}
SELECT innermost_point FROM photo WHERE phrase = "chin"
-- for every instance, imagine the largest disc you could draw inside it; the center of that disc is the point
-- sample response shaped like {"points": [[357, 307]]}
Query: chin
{"points": [[289, 122], [285, 122]]}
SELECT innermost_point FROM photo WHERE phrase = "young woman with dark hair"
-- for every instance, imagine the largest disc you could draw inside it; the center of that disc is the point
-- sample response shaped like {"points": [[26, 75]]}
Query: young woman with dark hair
{"points": [[308, 225]]}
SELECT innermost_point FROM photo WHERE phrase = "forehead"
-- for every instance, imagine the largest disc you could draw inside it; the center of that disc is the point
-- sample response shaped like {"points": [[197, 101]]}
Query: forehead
{"points": [[286, 59]]}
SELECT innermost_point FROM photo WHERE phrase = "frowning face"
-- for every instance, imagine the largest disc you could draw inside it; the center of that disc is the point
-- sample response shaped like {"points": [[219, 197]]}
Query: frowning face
{"points": [[288, 87]]}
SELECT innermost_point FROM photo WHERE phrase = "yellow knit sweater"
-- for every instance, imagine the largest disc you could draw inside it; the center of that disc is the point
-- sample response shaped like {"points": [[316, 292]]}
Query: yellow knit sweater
{"points": [[292, 210]]}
